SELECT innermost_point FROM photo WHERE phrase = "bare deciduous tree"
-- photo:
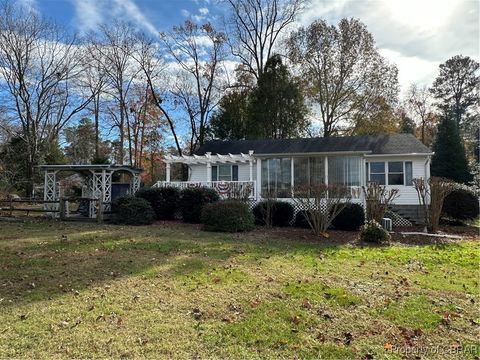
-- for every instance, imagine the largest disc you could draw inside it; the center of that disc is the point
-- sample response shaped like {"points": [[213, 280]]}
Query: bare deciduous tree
{"points": [[378, 199], [344, 74], [95, 81], [153, 69], [254, 27], [199, 51], [39, 68], [321, 203], [419, 104], [115, 47], [431, 196]]}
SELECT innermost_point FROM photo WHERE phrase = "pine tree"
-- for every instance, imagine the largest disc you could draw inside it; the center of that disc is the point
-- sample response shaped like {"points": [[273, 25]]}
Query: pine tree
{"points": [[450, 160], [277, 109]]}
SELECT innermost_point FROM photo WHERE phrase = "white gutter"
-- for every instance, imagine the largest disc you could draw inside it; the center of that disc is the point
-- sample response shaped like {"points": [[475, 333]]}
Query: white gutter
{"points": [[325, 153], [403, 154]]}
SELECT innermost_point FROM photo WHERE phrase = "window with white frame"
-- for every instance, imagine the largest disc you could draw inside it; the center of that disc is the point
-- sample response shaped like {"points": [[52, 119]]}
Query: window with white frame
{"points": [[390, 172], [377, 172], [225, 173], [344, 170], [395, 173], [309, 170], [277, 177]]}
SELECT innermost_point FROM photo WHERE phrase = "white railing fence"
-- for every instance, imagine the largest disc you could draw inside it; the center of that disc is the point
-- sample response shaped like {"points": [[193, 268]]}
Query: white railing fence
{"points": [[226, 189]]}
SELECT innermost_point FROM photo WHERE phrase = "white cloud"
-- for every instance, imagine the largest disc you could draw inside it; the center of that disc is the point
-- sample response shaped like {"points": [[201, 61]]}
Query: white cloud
{"points": [[30, 5], [417, 35], [89, 14], [185, 13], [133, 13], [412, 69], [203, 11]]}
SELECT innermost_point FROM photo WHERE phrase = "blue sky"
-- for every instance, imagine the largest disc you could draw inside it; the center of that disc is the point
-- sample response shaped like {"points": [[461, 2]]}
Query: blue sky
{"points": [[417, 35]]}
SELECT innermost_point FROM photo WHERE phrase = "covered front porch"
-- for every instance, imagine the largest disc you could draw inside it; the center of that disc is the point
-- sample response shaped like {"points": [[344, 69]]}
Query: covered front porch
{"points": [[232, 176], [251, 176]]}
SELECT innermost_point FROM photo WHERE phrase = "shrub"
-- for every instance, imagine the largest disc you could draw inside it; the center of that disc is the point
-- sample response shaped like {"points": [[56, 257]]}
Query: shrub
{"points": [[350, 218], [373, 232], [164, 201], [227, 216], [192, 201], [460, 204], [131, 210], [301, 220], [281, 212]]}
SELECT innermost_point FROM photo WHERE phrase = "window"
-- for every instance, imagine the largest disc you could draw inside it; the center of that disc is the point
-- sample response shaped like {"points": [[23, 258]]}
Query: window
{"points": [[309, 170], [276, 177], [225, 173], [377, 172], [399, 172], [408, 173], [395, 173], [344, 170]]}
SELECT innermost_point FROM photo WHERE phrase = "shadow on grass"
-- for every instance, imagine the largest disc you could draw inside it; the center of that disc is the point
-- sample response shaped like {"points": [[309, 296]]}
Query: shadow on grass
{"points": [[42, 260]]}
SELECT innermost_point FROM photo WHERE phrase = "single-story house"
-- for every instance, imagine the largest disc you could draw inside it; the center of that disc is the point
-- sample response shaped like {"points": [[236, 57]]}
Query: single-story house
{"points": [[275, 165]]}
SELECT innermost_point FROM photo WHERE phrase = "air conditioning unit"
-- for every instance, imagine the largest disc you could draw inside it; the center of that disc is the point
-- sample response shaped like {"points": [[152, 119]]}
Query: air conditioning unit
{"points": [[387, 224]]}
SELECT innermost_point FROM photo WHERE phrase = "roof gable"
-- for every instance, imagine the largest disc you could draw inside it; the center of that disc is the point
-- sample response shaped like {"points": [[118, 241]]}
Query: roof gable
{"points": [[381, 144]]}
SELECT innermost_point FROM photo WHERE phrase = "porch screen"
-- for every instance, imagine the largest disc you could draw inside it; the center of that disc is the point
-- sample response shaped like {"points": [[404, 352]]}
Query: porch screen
{"points": [[309, 171], [344, 170], [276, 177]]}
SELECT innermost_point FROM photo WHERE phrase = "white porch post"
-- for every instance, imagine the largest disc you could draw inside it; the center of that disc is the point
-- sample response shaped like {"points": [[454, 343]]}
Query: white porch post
{"points": [[167, 177], [250, 152], [209, 167], [326, 170], [292, 177], [258, 183]]}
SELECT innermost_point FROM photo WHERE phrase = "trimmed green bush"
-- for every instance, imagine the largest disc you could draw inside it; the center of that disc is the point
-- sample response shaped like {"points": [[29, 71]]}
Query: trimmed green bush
{"points": [[131, 210], [282, 213], [192, 201], [227, 216], [164, 201], [372, 232], [350, 218], [460, 204]]}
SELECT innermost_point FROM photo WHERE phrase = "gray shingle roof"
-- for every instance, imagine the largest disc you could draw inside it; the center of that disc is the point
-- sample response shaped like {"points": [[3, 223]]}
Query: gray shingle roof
{"points": [[381, 144]]}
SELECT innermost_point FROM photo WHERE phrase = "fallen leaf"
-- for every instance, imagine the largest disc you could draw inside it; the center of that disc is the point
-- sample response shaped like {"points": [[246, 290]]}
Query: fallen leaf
{"points": [[306, 304], [295, 319], [388, 346], [348, 338]]}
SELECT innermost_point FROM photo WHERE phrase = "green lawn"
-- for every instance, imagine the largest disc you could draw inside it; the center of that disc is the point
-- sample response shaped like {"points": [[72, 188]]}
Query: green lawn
{"points": [[82, 290]]}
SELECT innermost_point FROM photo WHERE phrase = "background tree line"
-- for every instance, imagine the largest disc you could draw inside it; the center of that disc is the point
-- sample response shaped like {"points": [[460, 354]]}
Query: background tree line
{"points": [[119, 95]]}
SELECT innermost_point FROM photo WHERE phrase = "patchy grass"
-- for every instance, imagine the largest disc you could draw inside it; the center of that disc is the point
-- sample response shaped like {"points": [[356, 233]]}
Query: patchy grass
{"points": [[169, 290]]}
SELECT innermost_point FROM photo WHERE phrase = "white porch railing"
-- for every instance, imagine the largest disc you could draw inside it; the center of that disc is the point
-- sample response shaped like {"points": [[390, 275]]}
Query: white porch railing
{"points": [[226, 189]]}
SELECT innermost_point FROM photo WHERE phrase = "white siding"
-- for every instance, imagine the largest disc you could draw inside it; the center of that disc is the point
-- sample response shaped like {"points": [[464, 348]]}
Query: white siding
{"points": [[408, 194], [199, 172]]}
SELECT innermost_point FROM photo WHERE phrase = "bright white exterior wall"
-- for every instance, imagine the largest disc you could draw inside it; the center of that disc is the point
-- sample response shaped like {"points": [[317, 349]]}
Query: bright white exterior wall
{"points": [[199, 172], [408, 194]]}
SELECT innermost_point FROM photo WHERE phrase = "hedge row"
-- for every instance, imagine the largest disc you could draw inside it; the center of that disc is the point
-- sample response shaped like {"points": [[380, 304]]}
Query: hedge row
{"points": [[202, 205]]}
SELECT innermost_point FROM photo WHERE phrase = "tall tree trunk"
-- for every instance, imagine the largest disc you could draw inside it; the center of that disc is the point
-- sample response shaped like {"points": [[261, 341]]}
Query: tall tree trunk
{"points": [[96, 110]]}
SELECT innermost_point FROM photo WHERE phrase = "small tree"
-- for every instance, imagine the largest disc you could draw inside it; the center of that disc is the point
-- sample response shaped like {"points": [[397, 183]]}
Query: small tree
{"points": [[431, 197], [321, 204], [267, 207], [378, 199], [450, 160]]}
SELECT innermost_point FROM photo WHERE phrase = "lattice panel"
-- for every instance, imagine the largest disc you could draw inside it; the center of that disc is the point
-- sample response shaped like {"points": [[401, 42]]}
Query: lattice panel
{"points": [[397, 220], [51, 192]]}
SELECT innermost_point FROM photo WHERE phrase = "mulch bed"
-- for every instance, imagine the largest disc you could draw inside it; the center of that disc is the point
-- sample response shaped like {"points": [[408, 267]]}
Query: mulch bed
{"points": [[337, 237]]}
